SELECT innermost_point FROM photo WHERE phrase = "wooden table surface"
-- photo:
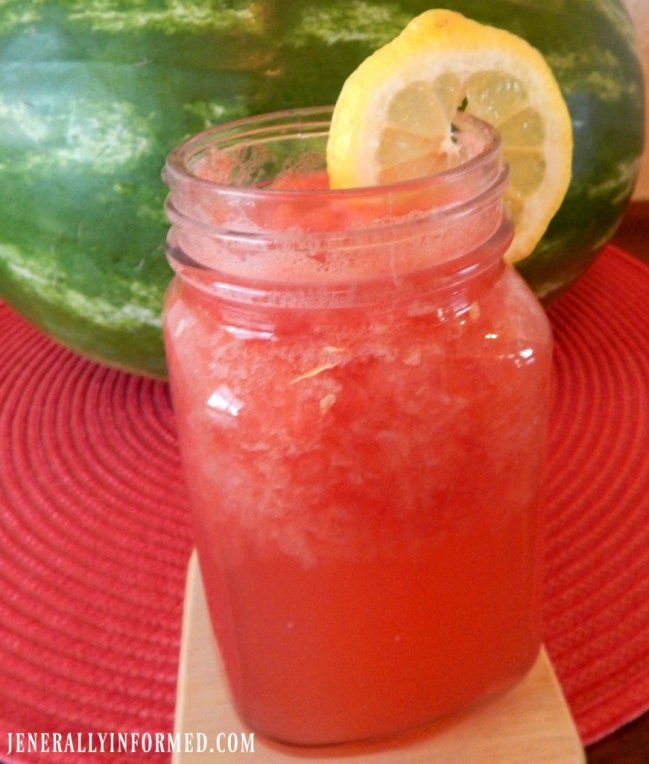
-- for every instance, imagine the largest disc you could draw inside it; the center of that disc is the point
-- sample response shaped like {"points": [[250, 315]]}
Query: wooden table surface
{"points": [[633, 233], [629, 745]]}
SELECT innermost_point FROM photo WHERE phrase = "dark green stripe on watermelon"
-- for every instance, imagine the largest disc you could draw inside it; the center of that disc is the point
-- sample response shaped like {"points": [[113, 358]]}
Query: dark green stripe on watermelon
{"points": [[94, 93]]}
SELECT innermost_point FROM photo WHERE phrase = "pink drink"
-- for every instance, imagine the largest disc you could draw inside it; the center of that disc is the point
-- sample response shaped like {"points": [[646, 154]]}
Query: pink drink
{"points": [[361, 389]]}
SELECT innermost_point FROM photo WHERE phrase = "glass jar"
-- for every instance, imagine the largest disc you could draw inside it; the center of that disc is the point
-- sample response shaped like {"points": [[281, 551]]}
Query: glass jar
{"points": [[361, 390]]}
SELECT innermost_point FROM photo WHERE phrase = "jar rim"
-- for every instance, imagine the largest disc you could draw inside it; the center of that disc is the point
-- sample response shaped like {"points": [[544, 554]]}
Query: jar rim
{"points": [[245, 238], [177, 166]]}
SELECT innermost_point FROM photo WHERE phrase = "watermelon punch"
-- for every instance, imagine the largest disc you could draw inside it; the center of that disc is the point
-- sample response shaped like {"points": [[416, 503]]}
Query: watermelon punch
{"points": [[361, 388]]}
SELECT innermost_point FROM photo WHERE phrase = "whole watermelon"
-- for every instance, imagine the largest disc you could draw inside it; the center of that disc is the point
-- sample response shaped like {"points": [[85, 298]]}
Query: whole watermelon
{"points": [[94, 93]]}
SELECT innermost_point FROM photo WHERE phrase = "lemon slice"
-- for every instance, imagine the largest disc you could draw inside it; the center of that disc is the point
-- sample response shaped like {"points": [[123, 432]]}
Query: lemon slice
{"points": [[394, 117]]}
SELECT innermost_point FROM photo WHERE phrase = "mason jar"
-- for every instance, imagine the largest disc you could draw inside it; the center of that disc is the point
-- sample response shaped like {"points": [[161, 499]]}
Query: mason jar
{"points": [[360, 385]]}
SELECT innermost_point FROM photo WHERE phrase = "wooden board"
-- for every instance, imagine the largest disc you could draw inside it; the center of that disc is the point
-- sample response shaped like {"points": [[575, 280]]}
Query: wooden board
{"points": [[529, 725], [639, 12]]}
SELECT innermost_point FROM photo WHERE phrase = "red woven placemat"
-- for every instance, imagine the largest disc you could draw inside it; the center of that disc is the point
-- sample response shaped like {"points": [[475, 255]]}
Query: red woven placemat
{"points": [[596, 605], [95, 537]]}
